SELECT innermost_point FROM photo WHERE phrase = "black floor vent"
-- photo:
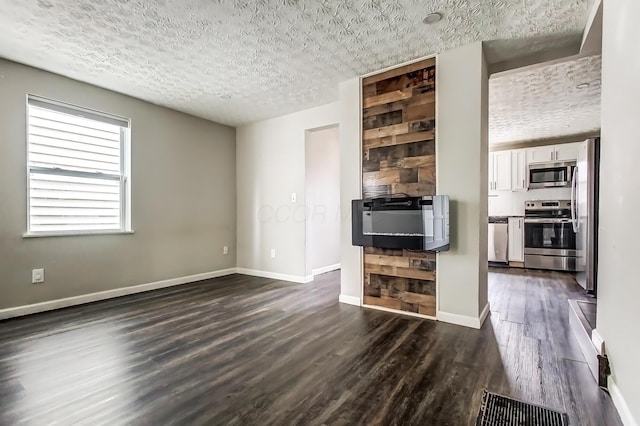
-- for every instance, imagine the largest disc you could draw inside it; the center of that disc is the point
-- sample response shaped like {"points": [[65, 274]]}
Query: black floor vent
{"points": [[498, 410]]}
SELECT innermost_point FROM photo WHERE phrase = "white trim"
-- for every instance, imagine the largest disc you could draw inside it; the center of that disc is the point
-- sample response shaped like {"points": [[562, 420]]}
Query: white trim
{"points": [[74, 233], [597, 341], [109, 294], [621, 405], [325, 269], [464, 320], [275, 275], [396, 311], [484, 314], [349, 300], [393, 67]]}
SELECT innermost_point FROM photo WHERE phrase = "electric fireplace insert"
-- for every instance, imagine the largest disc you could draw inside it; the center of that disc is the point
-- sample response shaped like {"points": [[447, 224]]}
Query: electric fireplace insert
{"points": [[401, 222]]}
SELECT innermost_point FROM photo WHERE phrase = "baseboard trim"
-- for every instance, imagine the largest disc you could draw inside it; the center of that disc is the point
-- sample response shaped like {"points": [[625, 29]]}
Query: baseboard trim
{"points": [[464, 320], [621, 405], [349, 300], [35, 308], [397, 311], [325, 269], [301, 279], [484, 314], [597, 341]]}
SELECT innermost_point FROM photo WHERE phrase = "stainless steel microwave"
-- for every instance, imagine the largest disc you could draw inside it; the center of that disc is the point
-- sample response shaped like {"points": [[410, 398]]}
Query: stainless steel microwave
{"points": [[550, 174]]}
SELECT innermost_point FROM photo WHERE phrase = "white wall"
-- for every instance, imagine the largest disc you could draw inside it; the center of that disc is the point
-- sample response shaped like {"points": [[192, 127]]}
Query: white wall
{"points": [[270, 165], [322, 163], [350, 188], [619, 244], [511, 203], [183, 198], [461, 149]]}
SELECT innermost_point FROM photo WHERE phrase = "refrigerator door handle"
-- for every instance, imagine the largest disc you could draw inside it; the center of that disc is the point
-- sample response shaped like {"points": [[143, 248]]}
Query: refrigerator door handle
{"points": [[574, 221]]}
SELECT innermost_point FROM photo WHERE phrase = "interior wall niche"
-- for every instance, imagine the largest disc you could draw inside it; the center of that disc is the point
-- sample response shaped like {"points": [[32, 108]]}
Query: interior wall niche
{"points": [[398, 142]]}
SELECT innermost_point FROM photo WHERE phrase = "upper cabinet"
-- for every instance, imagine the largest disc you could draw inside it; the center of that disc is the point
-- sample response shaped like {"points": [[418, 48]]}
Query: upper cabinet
{"points": [[564, 152], [567, 151], [540, 154], [502, 170], [508, 169], [519, 170]]}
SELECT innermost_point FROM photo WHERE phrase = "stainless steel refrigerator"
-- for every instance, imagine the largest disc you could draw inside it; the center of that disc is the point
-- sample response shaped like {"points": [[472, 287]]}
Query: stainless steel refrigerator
{"points": [[584, 212]]}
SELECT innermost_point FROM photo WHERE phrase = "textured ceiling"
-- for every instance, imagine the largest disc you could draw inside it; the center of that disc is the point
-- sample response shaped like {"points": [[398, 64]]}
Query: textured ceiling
{"points": [[545, 102], [236, 61]]}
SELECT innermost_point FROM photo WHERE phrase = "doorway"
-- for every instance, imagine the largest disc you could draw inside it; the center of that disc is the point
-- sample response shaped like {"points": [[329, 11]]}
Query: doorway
{"points": [[322, 200]]}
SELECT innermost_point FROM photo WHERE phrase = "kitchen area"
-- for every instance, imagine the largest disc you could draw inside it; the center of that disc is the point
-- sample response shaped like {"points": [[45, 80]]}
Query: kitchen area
{"points": [[541, 207], [543, 162]]}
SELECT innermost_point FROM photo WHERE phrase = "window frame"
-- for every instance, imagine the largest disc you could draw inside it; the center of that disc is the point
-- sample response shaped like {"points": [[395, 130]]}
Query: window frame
{"points": [[125, 166]]}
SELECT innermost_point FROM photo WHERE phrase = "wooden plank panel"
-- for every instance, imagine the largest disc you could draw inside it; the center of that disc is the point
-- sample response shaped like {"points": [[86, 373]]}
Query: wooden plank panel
{"points": [[369, 90], [399, 139], [399, 71], [425, 264], [396, 95], [413, 79], [382, 301], [400, 272], [396, 129], [375, 259], [383, 251], [427, 173], [421, 126], [399, 156], [385, 108], [414, 189], [428, 309], [420, 112], [427, 161], [384, 177], [409, 297], [382, 120]]}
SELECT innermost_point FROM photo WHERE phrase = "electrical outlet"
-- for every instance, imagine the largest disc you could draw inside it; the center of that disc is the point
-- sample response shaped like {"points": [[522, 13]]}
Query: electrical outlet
{"points": [[225, 250], [273, 253], [294, 197], [37, 276]]}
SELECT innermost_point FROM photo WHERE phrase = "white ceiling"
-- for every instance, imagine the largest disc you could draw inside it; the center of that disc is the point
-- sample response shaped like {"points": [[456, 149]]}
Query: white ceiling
{"points": [[545, 102], [237, 61]]}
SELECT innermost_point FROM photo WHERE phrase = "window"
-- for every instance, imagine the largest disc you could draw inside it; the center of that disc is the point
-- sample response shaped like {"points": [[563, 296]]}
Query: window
{"points": [[77, 167]]}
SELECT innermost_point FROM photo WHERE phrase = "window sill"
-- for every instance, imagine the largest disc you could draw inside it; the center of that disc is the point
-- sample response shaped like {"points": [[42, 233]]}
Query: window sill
{"points": [[74, 234]]}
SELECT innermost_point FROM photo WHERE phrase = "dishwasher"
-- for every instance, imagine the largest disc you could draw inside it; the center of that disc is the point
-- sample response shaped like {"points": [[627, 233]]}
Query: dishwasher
{"points": [[498, 239]]}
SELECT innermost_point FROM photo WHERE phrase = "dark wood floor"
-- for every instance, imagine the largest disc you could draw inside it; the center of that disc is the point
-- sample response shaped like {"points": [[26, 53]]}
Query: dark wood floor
{"points": [[253, 351]]}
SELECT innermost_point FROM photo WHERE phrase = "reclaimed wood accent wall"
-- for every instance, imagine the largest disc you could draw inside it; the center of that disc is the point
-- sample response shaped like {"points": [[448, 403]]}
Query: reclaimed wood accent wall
{"points": [[398, 141]]}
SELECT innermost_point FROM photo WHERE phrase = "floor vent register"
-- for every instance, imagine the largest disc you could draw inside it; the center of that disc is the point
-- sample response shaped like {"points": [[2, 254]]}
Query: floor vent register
{"points": [[498, 410]]}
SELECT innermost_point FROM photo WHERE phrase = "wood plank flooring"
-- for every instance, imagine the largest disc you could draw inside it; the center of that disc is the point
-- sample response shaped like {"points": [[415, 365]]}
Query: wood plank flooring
{"points": [[252, 351]]}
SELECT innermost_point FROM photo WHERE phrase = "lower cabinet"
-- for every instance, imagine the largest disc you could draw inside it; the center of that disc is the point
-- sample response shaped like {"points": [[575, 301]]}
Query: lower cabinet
{"points": [[516, 239]]}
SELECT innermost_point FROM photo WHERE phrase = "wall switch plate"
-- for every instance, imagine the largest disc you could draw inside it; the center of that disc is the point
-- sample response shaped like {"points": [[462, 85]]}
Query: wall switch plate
{"points": [[225, 250], [273, 253], [294, 197], [37, 276]]}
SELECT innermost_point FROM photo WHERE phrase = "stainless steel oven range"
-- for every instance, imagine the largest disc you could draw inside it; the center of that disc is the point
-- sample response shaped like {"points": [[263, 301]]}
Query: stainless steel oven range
{"points": [[549, 238]]}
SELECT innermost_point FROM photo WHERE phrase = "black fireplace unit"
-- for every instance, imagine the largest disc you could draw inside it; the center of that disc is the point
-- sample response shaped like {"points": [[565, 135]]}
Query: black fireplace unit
{"points": [[401, 222]]}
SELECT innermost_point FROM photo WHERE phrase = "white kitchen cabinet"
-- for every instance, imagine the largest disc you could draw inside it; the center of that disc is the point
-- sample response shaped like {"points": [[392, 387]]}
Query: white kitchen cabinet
{"points": [[519, 170], [516, 239], [502, 170], [541, 153], [567, 151]]}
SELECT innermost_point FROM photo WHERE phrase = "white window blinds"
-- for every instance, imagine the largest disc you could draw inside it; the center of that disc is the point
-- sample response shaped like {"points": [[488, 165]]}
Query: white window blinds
{"points": [[76, 167]]}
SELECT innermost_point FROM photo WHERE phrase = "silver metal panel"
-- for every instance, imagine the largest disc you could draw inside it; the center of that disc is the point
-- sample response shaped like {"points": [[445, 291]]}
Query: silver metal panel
{"points": [[498, 239], [551, 252], [585, 194], [552, 263]]}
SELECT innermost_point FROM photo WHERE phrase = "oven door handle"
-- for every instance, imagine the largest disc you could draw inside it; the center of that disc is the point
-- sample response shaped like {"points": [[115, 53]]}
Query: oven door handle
{"points": [[538, 220]]}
